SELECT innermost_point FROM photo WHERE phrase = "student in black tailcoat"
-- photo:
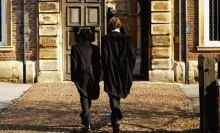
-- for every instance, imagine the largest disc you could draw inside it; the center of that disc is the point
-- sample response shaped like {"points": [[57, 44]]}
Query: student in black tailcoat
{"points": [[118, 60], [85, 71]]}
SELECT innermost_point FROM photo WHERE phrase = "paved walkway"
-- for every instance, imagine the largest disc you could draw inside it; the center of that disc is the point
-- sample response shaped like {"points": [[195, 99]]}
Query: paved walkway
{"points": [[190, 90], [151, 107], [10, 91]]}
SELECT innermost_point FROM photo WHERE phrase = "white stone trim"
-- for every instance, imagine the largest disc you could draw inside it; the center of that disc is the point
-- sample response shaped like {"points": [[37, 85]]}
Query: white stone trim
{"points": [[207, 42]]}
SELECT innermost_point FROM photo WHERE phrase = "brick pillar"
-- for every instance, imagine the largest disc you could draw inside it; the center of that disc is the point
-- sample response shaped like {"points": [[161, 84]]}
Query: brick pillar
{"points": [[161, 33]]}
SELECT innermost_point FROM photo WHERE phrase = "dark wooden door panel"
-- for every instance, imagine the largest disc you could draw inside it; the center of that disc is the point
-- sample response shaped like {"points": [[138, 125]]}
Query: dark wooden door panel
{"points": [[79, 13]]}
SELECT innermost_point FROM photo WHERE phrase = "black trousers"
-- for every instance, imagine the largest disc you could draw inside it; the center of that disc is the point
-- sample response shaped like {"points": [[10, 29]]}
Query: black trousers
{"points": [[85, 106], [115, 108]]}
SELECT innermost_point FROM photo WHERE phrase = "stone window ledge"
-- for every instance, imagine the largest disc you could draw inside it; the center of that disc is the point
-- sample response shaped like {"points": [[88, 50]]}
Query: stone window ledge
{"points": [[6, 48], [206, 49]]}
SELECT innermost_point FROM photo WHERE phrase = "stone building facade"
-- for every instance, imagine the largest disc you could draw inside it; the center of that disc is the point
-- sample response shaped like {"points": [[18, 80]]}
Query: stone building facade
{"points": [[36, 36]]}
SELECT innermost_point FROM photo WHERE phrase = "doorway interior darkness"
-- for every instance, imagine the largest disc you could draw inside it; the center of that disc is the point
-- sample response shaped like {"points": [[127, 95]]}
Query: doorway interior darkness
{"points": [[135, 16], [144, 58]]}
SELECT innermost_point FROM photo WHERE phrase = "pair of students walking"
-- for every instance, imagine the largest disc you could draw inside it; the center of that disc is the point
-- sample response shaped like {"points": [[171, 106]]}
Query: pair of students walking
{"points": [[117, 62]]}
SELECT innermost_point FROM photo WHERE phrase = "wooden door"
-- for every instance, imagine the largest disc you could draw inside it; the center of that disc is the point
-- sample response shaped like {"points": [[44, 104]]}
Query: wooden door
{"points": [[80, 13]]}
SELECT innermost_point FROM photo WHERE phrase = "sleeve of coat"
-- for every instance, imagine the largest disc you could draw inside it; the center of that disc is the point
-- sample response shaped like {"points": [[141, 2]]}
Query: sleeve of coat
{"points": [[131, 54], [96, 64], [73, 66], [104, 52]]}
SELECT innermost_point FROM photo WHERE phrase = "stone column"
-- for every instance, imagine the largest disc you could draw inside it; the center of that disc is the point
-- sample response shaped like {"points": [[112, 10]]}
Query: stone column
{"points": [[50, 61], [161, 50]]}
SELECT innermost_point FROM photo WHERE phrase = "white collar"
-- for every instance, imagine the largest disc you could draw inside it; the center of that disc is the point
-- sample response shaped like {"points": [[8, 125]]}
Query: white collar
{"points": [[116, 30]]}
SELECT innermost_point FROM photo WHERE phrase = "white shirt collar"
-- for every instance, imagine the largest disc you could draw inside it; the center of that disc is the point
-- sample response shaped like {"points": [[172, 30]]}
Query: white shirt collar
{"points": [[116, 30]]}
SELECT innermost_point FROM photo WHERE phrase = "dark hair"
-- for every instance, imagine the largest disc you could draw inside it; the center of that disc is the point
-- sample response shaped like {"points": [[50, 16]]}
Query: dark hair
{"points": [[84, 33]]}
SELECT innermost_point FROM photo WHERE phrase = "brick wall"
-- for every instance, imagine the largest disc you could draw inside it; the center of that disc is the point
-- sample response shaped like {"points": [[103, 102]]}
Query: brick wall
{"points": [[192, 37], [32, 15], [193, 32], [16, 35], [193, 24], [177, 42]]}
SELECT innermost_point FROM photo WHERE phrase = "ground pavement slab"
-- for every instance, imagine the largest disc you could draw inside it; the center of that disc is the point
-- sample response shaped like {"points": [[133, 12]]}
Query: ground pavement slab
{"points": [[11, 91]]}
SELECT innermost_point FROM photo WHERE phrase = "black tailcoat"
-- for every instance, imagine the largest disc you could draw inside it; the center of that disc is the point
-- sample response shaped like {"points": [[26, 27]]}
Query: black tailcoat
{"points": [[118, 60], [86, 69]]}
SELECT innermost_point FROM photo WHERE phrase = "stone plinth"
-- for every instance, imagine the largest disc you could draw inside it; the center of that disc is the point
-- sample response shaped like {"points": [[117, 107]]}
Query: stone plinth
{"points": [[49, 76], [179, 72], [49, 65], [13, 71], [161, 75]]}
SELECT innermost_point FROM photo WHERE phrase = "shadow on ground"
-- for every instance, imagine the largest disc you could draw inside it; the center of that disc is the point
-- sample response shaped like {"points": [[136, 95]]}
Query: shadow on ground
{"points": [[66, 119], [71, 129], [56, 108]]}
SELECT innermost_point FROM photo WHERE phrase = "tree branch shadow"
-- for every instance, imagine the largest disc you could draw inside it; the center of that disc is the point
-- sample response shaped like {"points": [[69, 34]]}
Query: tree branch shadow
{"points": [[18, 127], [57, 116]]}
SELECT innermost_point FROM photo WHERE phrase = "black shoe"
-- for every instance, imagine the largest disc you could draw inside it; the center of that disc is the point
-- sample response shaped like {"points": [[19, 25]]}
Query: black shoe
{"points": [[116, 128], [86, 129]]}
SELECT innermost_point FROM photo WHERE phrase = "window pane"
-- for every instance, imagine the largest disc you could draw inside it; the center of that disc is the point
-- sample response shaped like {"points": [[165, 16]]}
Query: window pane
{"points": [[214, 24]]}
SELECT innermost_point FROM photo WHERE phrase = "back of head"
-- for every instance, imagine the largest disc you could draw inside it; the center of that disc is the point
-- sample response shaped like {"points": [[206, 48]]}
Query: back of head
{"points": [[84, 34], [114, 23]]}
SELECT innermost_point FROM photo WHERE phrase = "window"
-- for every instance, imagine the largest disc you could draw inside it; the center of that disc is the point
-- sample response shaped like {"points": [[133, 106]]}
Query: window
{"points": [[209, 28], [3, 21], [5, 26], [214, 34]]}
